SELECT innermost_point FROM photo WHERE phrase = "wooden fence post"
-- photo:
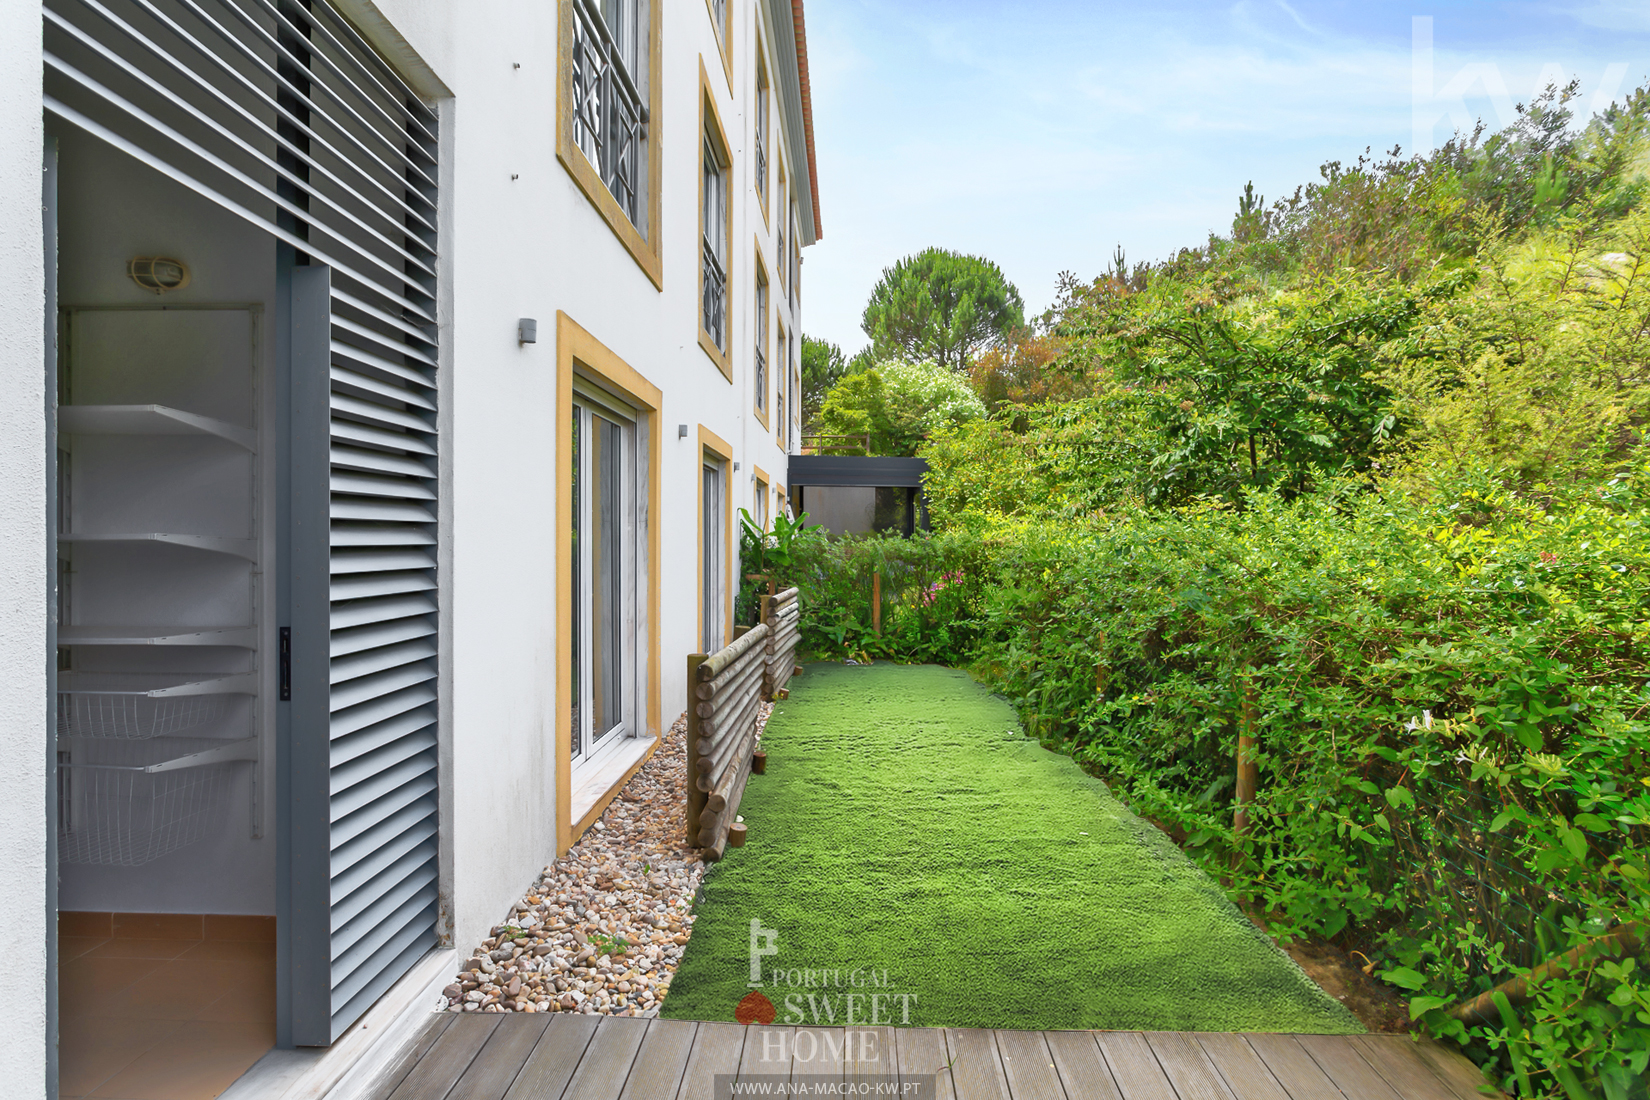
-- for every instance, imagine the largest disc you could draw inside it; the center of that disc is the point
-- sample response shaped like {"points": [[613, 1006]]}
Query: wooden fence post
{"points": [[876, 602], [1248, 772], [695, 797]]}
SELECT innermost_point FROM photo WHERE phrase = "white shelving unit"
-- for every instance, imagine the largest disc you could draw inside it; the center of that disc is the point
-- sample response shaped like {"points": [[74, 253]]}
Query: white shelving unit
{"points": [[158, 705]]}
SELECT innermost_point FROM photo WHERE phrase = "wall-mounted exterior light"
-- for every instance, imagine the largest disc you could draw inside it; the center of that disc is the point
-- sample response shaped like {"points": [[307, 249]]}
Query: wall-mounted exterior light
{"points": [[527, 331], [158, 273]]}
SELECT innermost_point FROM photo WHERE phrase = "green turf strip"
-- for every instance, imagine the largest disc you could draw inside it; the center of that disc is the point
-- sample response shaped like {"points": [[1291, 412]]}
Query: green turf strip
{"points": [[906, 827]]}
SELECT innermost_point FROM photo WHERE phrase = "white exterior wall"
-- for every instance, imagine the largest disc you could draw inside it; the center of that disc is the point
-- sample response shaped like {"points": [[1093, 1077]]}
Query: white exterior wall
{"points": [[511, 248], [23, 804], [527, 247]]}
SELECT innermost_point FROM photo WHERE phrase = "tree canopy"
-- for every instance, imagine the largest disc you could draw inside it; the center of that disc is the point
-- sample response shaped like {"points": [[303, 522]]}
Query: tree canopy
{"points": [[822, 367], [941, 305], [898, 405]]}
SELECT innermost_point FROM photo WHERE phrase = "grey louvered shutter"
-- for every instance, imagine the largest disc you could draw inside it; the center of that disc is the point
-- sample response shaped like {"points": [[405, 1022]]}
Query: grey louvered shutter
{"points": [[363, 731], [279, 111]]}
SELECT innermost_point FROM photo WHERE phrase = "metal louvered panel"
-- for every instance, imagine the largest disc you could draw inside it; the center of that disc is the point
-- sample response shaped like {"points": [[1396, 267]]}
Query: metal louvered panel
{"points": [[280, 112]]}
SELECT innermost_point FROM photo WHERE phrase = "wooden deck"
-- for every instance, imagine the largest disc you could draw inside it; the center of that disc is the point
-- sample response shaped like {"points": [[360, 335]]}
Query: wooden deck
{"points": [[566, 1057]]}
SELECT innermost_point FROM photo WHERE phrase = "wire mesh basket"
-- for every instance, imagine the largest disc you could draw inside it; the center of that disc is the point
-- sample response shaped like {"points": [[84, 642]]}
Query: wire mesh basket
{"points": [[136, 706], [115, 809]]}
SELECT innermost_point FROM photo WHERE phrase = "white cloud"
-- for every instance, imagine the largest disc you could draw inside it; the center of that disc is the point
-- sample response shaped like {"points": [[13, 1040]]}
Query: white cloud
{"points": [[1615, 15]]}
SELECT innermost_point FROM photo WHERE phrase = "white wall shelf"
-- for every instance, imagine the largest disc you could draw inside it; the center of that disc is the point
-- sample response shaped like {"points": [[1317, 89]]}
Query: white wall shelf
{"points": [[149, 420], [240, 548], [243, 636]]}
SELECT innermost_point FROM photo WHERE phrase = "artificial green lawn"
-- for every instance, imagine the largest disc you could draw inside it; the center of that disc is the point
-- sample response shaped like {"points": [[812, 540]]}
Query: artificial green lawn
{"points": [[906, 825]]}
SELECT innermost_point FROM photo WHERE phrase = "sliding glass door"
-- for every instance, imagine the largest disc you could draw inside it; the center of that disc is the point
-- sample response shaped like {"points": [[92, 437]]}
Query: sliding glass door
{"points": [[604, 579]]}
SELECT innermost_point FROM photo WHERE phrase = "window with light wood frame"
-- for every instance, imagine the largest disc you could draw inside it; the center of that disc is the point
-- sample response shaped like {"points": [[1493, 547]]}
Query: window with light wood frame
{"points": [[721, 18], [607, 112], [759, 499], [762, 357], [779, 365], [715, 234], [715, 541], [581, 359], [761, 162], [779, 205]]}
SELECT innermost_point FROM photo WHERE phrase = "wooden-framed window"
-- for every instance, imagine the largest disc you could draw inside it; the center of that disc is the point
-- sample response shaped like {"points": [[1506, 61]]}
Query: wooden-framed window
{"points": [[759, 500], [715, 555], [762, 357], [795, 258], [607, 572], [780, 206], [607, 103], [721, 15], [763, 128], [779, 389], [715, 234]]}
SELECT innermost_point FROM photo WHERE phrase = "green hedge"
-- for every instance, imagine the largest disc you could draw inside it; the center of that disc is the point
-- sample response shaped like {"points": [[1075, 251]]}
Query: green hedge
{"points": [[1453, 717]]}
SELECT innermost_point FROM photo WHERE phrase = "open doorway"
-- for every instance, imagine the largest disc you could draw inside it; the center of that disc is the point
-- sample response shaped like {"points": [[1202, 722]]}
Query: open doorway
{"points": [[246, 781], [165, 690]]}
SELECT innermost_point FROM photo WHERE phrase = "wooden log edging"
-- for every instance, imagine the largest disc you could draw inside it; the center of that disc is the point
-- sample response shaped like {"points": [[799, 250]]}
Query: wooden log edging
{"points": [[724, 699], [782, 614]]}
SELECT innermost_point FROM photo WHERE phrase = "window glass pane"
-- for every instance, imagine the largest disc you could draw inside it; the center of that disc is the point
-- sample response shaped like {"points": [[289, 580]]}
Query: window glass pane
{"points": [[710, 526], [606, 576], [576, 549]]}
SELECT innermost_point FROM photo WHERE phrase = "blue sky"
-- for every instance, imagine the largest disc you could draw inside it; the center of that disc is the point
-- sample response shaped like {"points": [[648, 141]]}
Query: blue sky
{"points": [[1042, 134]]}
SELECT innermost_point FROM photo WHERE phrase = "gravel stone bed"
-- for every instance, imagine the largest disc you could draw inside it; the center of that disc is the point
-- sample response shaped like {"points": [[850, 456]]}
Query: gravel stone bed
{"points": [[603, 928]]}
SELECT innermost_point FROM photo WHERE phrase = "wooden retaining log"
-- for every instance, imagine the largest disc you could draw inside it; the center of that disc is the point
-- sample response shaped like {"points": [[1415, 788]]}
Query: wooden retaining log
{"points": [[716, 761], [709, 689], [720, 660]]}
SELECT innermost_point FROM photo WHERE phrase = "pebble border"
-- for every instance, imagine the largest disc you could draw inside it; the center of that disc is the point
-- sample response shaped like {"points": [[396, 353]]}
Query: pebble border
{"points": [[602, 929]]}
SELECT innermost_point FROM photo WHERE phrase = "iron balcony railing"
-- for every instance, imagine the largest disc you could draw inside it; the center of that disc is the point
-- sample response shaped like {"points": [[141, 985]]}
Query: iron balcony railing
{"points": [[609, 118], [715, 296]]}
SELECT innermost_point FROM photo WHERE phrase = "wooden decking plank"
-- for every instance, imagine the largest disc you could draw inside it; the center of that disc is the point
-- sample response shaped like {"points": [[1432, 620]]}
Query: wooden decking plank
{"points": [[824, 1051], [716, 1050], [1240, 1067], [870, 1054], [410, 1056], [497, 1063], [976, 1071], [448, 1057], [605, 1067], [1463, 1078], [553, 1060], [1293, 1067], [1187, 1066], [1082, 1068], [1133, 1066], [662, 1060], [1342, 1063], [768, 1051], [921, 1051], [1029, 1066], [1395, 1059]]}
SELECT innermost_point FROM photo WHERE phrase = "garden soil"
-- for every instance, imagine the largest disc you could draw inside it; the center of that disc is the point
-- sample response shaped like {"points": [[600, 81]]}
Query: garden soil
{"points": [[919, 861]]}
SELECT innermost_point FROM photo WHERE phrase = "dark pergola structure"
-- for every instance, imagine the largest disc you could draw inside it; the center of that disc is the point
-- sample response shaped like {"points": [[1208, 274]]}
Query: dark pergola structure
{"points": [[856, 471]]}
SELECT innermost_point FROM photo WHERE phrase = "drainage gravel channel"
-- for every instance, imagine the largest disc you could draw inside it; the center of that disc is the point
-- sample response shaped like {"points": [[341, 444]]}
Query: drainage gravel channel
{"points": [[602, 929]]}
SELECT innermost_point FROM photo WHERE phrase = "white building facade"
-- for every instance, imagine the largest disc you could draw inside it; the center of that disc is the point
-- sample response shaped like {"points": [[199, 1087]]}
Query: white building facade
{"points": [[382, 388]]}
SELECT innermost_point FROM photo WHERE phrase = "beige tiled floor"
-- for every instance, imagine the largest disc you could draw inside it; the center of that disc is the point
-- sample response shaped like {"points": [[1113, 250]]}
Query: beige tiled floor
{"points": [[157, 1009]]}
